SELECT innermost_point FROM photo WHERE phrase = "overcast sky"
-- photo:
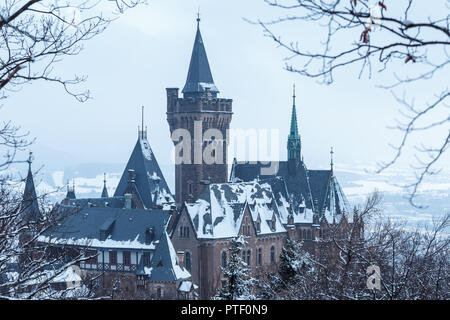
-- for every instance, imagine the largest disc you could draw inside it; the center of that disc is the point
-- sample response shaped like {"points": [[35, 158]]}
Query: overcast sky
{"points": [[148, 50]]}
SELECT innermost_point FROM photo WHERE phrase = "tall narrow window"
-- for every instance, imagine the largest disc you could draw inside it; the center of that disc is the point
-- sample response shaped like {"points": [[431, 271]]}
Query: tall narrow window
{"points": [[272, 254], [113, 257], [126, 258], [259, 256], [146, 257], [249, 254], [187, 262], [224, 259]]}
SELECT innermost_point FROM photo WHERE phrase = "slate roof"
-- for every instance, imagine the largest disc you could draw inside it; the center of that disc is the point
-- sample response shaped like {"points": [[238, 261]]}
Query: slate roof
{"points": [[306, 189], [219, 211], [107, 202], [165, 265], [199, 75], [29, 206], [125, 228], [147, 175]]}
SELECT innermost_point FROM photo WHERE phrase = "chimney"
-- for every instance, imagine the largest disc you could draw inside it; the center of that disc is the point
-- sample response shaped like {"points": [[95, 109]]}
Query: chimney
{"points": [[127, 200], [208, 93]]}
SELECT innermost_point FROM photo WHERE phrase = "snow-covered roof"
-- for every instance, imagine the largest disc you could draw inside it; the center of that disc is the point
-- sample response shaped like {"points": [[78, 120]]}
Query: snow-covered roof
{"points": [[219, 211], [165, 265], [299, 189], [108, 228], [147, 177]]}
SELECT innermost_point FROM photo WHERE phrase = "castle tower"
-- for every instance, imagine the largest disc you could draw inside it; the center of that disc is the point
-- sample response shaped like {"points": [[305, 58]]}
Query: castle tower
{"points": [[202, 158], [293, 142], [29, 207]]}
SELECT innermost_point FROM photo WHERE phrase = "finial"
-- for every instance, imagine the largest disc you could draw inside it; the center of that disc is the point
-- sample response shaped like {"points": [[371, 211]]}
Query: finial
{"points": [[331, 156], [104, 178], [30, 159], [198, 17], [293, 96], [142, 122]]}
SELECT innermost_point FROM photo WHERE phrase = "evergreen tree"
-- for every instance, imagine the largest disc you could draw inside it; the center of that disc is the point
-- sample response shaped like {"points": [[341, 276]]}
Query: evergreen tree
{"points": [[239, 284], [293, 259]]}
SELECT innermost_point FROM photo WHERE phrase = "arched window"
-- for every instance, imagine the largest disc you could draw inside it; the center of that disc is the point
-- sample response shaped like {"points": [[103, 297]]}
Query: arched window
{"points": [[187, 258], [259, 256], [224, 259], [186, 232], [249, 254], [272, 254]]}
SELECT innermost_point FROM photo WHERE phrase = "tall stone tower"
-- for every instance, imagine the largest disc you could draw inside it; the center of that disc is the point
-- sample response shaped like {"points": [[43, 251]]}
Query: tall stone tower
{"points": [[205, 118]]}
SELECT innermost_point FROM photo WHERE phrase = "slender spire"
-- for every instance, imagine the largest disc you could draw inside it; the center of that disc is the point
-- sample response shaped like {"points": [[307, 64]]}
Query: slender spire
{"points": [[199, 76], [70, 191], [294, 143], [294, 127], [105, 190], [30, 206]]}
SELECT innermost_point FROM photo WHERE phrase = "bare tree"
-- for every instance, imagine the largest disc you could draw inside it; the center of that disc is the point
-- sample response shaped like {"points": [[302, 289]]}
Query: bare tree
{"points": [[36, 34], [412, 264], [378, 36]]}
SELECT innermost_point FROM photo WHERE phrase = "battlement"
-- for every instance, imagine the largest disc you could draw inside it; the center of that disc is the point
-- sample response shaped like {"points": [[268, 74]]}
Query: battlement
{"points": [[206, 103]]}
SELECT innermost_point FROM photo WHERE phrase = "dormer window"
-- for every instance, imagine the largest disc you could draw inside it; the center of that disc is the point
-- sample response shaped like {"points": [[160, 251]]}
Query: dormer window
{"points": [[258, 226], [149, 235]]}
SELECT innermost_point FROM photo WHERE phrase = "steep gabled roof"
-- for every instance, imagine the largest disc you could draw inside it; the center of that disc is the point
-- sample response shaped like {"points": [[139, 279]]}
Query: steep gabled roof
{"points": [[306, 188], [296, 180], [29, 206], [199, 75], [165, 265], [147, 175], [219, 211]]}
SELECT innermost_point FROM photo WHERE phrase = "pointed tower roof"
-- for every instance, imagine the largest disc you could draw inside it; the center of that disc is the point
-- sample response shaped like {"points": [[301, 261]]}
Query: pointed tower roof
{"points": [[70, 191], [199, 75], [104, 191], [30, 206], [293, 132], [165, 265], [147, 176]]}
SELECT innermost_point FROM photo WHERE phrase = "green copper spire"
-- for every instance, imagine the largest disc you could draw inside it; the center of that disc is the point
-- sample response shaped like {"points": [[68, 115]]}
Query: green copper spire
{"points": [[294, 143], [294, 128]]}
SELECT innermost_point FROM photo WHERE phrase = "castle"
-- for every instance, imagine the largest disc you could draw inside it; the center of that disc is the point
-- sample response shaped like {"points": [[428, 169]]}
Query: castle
{"points": [[169, 247]]}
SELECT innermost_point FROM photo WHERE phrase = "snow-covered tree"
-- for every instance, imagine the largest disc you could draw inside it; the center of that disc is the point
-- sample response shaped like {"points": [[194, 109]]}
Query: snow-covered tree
{"points": [[239, 283], [293, 260], [30, 269]]}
